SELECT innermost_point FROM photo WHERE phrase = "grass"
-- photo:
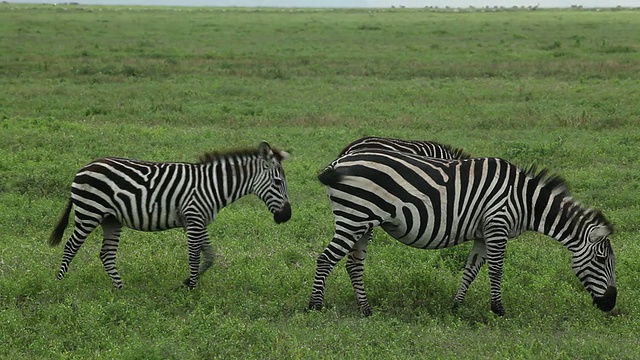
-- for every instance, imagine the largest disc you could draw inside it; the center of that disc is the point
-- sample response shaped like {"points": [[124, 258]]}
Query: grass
{"points": [[552, 87]]}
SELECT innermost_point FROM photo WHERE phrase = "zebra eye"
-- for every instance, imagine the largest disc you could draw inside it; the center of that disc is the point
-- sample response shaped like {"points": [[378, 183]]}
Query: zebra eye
{"points": [[277, 181], [601, 254]]}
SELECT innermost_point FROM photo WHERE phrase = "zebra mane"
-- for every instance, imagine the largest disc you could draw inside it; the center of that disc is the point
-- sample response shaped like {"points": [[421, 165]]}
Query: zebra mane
{"points": [[214, 156], [458, 153], [552, 182], [548, 180]]}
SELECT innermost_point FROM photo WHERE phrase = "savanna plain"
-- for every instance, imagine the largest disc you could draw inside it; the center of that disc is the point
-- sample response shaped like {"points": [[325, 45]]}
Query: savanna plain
{"points": [[556, 88]]}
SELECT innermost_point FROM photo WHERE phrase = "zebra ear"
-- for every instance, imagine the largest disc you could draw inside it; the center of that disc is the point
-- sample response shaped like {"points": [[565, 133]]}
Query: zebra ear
{"points": [[283, 155], [599, 233], [265, 150]]}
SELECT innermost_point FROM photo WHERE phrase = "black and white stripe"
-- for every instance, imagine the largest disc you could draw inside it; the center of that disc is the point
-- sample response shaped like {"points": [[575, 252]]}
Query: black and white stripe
{"points": [[431, 203], [154, 196]]}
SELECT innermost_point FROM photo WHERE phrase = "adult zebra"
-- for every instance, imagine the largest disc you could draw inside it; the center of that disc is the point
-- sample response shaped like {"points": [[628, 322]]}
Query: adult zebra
{"points": [[154, 196], [417, 147], [431, 203]]}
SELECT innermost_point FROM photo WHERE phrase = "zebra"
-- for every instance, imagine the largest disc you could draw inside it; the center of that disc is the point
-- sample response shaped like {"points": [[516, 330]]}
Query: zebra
{"points": [[416, 147], [155, 196], [432, 203]]}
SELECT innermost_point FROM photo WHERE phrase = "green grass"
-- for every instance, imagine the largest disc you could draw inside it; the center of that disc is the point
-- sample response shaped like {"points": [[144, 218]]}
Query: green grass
{"points": [[555, 88]]}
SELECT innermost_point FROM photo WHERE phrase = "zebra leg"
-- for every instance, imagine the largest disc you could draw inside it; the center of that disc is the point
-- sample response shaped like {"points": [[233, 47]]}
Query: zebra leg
{"points": [[208, 254], [355, 268], [495, 262], [111, 229], [342, 243], [476, 259], [83, 227], [196, 236]]}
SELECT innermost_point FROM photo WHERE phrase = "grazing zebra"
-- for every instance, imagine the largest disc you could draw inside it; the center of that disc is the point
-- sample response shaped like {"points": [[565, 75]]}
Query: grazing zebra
{"points": [[153, 196], [431, 203], [417, 147]]}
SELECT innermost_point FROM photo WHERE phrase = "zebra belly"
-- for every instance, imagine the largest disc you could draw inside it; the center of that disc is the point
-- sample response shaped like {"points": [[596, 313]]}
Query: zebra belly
{"points": [[130, 213], [427, 237], [153, 221], [426, 242]]}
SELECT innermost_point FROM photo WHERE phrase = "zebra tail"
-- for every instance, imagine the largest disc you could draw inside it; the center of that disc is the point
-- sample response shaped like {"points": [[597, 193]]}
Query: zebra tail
{"points": [[56, 235], [330, 176]]}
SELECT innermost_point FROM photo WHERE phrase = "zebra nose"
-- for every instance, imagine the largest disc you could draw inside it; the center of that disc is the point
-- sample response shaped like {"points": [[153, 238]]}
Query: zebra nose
{"points": [[282, 215], [607, 301]]}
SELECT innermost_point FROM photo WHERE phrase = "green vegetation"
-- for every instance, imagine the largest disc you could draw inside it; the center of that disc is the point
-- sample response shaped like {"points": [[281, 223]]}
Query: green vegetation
{"points": [[556, 88]]}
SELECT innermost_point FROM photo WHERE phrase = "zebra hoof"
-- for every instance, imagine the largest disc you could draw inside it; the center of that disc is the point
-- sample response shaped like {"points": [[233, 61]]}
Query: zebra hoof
{"points": [[456, 306], [366, 312], [497, 309], [314, 307], [189, 284]]}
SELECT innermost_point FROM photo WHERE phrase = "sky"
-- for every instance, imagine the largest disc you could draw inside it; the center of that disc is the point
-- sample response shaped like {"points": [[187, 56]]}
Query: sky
{"points": [[357, 3]]}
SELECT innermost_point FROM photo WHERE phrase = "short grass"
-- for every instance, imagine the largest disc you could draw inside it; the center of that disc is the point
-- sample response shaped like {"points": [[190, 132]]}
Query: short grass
{"points": [[555, 88]]}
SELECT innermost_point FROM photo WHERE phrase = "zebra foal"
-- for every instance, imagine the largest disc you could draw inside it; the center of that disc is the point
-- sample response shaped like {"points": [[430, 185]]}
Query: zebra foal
{"points": [[432, 203], [154, 196]]}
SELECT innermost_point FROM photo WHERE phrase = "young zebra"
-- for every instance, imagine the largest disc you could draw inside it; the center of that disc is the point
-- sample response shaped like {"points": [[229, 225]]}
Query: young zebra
{"points": [[431, 203], [153, 196], [417, 147]]}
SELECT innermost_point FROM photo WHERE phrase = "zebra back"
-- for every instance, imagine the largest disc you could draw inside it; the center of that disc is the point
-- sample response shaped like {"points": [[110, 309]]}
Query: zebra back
{"points": [[417, 147]]}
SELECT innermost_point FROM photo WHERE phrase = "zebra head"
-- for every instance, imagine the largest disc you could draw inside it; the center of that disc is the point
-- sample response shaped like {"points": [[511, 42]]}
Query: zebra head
{"points": [[270, 184], [594, 265]]}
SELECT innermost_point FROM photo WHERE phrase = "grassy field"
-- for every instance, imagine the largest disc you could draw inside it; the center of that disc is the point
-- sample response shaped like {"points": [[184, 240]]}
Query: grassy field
{"points": [[555, 88]]}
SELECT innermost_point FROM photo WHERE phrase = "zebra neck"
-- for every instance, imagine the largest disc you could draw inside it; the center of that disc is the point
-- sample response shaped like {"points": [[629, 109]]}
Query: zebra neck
{"points": [[557, 216], [229, 179]]}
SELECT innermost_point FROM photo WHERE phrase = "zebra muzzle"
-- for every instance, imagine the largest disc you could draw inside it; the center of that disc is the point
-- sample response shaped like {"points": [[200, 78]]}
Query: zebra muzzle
{"points": [[282, 215], [607, 301]]}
